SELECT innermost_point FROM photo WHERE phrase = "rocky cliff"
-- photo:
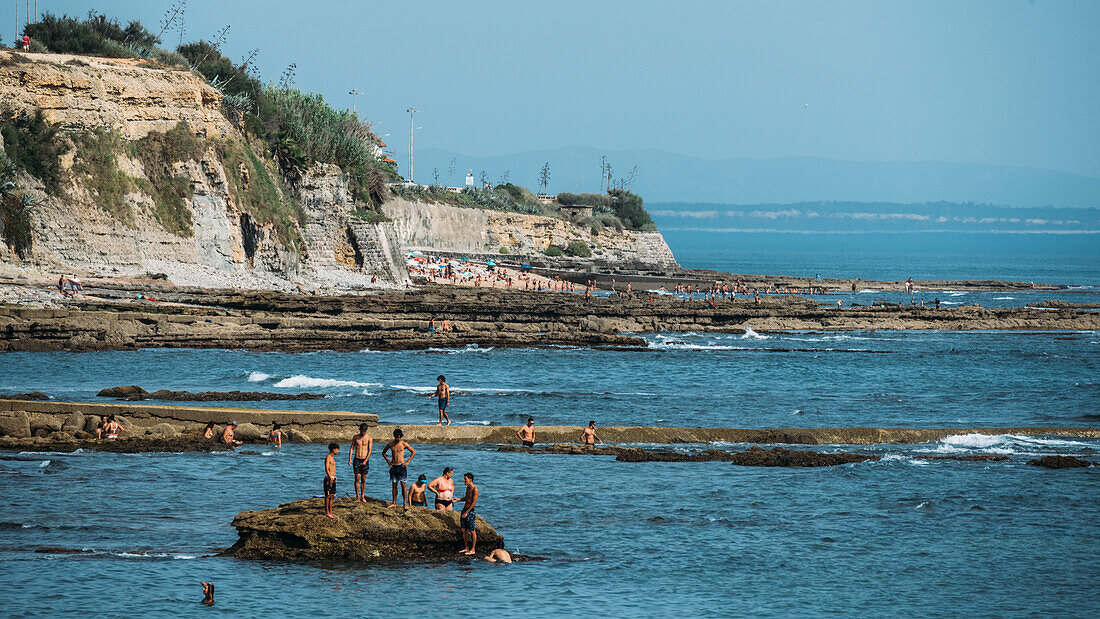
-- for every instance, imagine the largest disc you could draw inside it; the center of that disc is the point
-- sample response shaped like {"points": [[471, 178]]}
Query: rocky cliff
{"points": [[156, 179]]}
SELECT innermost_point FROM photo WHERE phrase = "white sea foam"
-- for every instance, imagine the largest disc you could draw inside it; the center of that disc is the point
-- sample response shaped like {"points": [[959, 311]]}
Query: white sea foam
{"points": [[455, 351], [302, 381], [44, 464], [752, 335], [1004, 444], [258, 377], [869, 291], [1003, 298], [413, 389]]}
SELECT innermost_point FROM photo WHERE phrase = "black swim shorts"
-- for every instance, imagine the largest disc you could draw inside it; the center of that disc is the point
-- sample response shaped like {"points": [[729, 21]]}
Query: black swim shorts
{"points": [[528, 443], [398, 473], [361, 466], [330, 486]]}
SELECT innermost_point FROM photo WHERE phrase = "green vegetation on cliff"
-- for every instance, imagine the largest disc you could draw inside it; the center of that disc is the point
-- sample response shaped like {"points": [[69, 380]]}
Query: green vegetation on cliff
{"points": [[31, 143], [96, 162], [14, 209], [623, 204], [158, 153], [258, 194]]}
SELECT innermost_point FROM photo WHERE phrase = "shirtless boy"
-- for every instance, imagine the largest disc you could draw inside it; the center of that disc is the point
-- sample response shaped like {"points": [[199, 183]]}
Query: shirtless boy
{"points": [[228, 437], [588, 436], [499, 555], [444, 488], [443, 392], [330, 478], [468, 517], [526, 433], [398, 464], [416, 496], [359, 460]]}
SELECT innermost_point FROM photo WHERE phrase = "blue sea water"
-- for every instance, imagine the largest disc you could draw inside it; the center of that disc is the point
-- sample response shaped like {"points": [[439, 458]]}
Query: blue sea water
{"points": [[906, 535]]}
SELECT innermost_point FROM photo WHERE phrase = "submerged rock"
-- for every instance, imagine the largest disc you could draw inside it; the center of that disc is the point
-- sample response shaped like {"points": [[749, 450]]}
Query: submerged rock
{"points": [[1060, 462], [300, 531], [756, 456], [135, 393], [34, 395]]}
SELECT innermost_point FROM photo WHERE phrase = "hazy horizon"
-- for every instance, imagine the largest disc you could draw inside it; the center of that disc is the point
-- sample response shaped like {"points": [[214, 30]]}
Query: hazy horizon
{"points": [[985, 83]]}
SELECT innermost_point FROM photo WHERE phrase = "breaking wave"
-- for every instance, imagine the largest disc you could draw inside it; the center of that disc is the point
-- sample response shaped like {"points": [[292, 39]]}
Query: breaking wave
{"points": [[302, 381]]}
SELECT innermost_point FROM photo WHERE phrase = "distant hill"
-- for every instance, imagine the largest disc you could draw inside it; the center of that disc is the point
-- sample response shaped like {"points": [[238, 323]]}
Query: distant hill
{"points": [[668, 177]]}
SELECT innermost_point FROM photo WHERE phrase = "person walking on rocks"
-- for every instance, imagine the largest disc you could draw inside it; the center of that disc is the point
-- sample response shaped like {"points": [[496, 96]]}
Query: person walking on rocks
{"points": [[443, 392], [588, 436], [468, 517], [362, 445], [330, 478], [526, 433], [398, 464]]}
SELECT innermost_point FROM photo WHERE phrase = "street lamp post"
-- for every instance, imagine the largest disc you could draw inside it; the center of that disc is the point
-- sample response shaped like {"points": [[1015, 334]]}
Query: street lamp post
{"points": [[354, 92], [411, 111]]}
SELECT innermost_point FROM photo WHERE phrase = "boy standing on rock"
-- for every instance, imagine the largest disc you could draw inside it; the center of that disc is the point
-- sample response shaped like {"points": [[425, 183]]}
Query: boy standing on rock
{"points": [[330, 478], [468, 517], [398, 465], [443, 392], [362, 445], [526, 433]]}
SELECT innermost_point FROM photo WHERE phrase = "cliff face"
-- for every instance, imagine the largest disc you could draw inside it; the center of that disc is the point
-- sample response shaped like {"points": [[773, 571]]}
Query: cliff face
{"points": [[437, 227], [236, 222]]}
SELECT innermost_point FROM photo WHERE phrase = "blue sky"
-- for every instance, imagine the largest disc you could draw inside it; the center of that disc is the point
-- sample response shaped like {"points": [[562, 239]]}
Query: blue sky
{"points": [[1006, 82]]}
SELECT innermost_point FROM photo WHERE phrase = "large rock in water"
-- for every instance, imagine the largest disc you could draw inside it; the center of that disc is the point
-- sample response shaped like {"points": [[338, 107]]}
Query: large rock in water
{"points": [[1060, 462], [370, 531]]}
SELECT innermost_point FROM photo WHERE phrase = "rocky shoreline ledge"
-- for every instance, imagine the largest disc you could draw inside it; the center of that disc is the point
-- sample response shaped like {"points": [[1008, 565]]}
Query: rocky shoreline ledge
{"points": [[366, 532], [115, 318], [67, 426]]}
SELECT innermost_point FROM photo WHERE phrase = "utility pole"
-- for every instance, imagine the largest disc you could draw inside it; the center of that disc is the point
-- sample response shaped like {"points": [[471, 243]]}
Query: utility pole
{"points": [[354, 92], [411, 111]]}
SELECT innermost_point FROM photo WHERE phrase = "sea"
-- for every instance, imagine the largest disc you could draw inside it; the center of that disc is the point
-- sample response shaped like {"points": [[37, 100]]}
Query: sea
{"points": [[908, 535]]}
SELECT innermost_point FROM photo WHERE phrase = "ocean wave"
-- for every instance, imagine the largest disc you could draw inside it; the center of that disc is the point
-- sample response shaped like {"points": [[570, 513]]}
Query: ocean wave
{"points": [[869, 291], [1004, 298], [258, 377], [1004, 444], [456, 351], [752, 335], [302, 381]]}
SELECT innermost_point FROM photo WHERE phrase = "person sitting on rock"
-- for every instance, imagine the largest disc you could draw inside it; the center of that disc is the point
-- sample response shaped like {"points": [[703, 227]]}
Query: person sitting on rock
{"points": [[329, 484], [275, 437], [112, 428], [468, 517], [499, 555], [208, 431], [228, 437], [416, 496], [398, 464]]}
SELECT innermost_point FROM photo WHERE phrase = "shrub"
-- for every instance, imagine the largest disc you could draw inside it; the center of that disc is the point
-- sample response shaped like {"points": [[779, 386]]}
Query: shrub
{"points": [[369, 216], [32, 144], [503, 251], [96, 35], [97, 159], [553, 250], [158, 152], [259, 195], [578, 248], [14, 209], [628, 207]]}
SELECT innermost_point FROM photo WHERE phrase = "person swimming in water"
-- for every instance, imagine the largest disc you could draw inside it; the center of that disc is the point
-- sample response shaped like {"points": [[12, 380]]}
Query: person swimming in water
{"points": [[207, 593], [444, 488], [499, 555], [416, 496], [275, 437]]}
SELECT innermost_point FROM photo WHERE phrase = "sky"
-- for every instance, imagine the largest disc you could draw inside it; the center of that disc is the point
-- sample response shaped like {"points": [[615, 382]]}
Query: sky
{"points": [[1006, 82]]}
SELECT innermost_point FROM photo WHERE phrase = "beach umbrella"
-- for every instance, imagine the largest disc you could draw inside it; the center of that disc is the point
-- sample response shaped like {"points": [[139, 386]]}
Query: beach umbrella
{"points": [[490, 263]]}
